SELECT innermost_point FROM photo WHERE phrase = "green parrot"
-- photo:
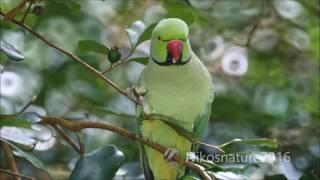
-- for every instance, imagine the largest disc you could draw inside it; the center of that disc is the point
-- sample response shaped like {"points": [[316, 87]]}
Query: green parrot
{"points": [[178, 86]]}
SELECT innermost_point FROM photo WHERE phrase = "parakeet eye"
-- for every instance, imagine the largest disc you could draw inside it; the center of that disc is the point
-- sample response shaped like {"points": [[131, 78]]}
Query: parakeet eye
{"points": [[162, 39]]}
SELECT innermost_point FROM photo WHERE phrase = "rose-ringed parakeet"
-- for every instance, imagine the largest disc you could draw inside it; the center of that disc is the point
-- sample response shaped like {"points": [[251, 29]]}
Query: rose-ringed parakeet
{"points": [[179, 86]]}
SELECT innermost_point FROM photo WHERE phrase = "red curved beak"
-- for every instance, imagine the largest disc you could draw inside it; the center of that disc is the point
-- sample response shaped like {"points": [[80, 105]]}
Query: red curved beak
{"points": [[174, 47]]}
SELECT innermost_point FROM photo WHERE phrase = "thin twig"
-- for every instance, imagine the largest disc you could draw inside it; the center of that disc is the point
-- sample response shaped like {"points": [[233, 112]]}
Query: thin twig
{"points": [[180, 131], [13, 12], [79, 125], [80, 142], [17, 174], [27, 105], [66, 138], [122, 61], [72, 56], [234, 40], [248, 33], [2, 116], [11, 160], [254, 27], [26, 13]]}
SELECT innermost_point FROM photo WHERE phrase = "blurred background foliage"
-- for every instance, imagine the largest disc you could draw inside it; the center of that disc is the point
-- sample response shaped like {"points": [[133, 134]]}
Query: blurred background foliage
{"points": [[267, 89]]}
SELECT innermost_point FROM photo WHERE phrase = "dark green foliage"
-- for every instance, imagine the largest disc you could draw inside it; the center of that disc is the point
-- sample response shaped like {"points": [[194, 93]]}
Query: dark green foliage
{"points": [[15, 122], [146, 35], [309, 176], [137, 34], [141, 60], [276, 99], [271, 143], [99, 164], [26, 155], [73, 5], [276, 177], [92, 46]]}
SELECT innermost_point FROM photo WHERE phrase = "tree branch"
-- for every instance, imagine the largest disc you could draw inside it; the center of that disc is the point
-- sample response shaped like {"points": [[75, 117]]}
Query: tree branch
{"points": [[26, 12], [80, 142], [17, 174], [72, 56], [248, 31], [12, 13], [11, 160], [21, 110], [66, 138], [33, 99], [80, 125]]}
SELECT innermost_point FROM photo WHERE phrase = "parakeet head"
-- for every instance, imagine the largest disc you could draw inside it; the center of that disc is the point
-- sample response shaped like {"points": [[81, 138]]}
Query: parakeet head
{"points": [[170, 43]]}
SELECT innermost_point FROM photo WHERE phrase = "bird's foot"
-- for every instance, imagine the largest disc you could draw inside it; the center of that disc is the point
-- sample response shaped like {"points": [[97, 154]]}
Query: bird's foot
{"points": [[170, 153], [137, 94]]}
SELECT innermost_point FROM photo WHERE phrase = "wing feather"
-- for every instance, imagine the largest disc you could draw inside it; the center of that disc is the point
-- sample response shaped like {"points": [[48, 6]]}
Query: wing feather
{"points": [[144, 163]]}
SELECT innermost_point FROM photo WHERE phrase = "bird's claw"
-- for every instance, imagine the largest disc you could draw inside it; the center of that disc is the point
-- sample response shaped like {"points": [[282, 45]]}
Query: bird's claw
{"points": [[170, 153], [137, 94], [131, 92]]}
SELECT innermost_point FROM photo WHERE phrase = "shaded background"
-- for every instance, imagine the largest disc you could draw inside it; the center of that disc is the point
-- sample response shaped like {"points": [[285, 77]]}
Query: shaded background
{"points": [[268, 89]]}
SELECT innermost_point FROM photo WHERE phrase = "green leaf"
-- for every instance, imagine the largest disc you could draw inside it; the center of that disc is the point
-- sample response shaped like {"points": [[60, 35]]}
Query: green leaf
{"points": [[111, 112], [72, 4], [10, 51], [92, 46], [180, 9], [210, 166], [187, 16], [101, 163], [141, 60], [146, 33], [31, 158], [114, 55], [309, 176], [275, 177], [137, 33], [271, 143], [14, 121], [227, 175], [189, 177]]}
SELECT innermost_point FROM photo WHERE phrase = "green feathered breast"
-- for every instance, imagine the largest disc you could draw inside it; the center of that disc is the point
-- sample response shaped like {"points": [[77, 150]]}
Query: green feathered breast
{"points": [[182, 92]]}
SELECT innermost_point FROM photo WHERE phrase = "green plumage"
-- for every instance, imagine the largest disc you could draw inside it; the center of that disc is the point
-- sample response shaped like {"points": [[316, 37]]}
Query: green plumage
{"points": [[183, 92]]}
